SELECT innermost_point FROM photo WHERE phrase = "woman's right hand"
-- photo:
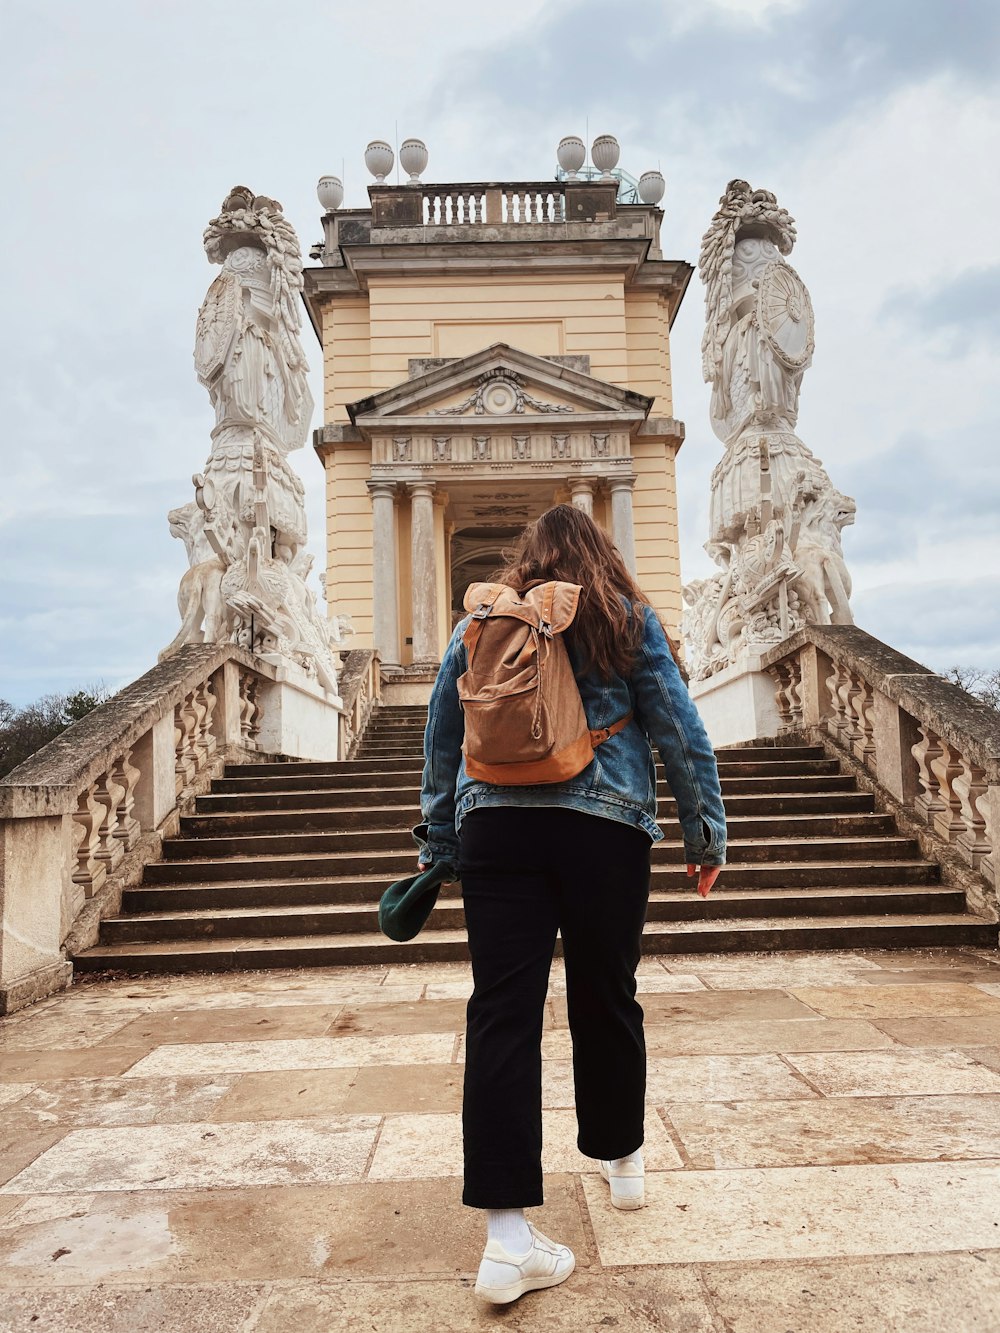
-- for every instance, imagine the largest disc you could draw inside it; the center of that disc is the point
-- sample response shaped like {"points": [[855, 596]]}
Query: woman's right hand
{"points": [[707, 875]]}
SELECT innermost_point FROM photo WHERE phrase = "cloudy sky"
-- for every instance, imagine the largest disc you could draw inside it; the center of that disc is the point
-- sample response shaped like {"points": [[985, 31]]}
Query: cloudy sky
{"points": [[876, 122]]}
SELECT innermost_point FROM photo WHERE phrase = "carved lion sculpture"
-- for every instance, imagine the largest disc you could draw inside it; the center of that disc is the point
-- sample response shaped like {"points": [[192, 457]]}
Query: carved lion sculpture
{"points": [[824, 583], [203, 611]]}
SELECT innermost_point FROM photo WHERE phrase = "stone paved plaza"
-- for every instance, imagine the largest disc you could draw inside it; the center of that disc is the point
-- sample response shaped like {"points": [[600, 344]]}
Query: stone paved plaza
{"points": [[282, 1151]]}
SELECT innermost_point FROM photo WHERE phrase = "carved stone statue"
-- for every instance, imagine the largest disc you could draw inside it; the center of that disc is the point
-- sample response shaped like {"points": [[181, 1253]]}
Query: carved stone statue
{"points": [[775, 517], [245, 530]]}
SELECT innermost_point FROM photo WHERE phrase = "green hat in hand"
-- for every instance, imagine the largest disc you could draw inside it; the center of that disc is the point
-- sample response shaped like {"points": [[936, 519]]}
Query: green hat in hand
{"points": [[406, 905]]}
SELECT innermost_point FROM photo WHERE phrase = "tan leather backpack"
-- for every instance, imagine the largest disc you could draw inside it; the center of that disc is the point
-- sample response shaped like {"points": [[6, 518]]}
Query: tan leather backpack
{"points": [[524, 718]]}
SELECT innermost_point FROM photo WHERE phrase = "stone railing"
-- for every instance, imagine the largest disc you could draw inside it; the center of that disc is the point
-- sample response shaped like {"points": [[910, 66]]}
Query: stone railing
{"points": [[924, 740], [457, 205], [80, 818], [360, 690]]}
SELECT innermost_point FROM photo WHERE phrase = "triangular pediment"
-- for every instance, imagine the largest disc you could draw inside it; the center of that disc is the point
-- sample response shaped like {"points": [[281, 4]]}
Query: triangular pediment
{"points": [[499, 383]]}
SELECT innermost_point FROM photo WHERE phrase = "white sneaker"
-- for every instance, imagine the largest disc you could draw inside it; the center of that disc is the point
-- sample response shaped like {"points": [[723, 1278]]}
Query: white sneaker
{"points": [[628, 1183], [504, 1276]]}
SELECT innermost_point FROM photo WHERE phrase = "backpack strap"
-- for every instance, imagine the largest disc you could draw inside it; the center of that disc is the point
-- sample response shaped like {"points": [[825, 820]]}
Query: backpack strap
{"points": [[486, 596], [603, 734]]}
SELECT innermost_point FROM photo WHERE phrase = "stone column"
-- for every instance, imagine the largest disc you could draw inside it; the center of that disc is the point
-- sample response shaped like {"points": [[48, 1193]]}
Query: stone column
{"points": [[581, 491], [622, 527], [423, 568], [384, 597]]}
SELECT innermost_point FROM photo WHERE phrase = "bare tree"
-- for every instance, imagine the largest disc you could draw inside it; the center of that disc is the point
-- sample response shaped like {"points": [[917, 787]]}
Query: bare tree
{"points": [[980, 682], [25, 730]]}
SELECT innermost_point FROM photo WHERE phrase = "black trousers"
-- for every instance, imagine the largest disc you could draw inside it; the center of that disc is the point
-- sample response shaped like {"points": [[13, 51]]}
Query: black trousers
{"points": [[528, 872]]}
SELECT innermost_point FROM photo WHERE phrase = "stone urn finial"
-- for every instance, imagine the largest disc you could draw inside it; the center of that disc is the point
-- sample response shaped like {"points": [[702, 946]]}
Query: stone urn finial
{"points": [[330, 192], [571, 155], [604, 153], [413, 159], [651, 187], [379, 158]]}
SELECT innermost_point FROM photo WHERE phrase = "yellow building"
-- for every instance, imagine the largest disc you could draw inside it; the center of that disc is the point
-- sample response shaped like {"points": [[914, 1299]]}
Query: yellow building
{"points": [[488, 351]]}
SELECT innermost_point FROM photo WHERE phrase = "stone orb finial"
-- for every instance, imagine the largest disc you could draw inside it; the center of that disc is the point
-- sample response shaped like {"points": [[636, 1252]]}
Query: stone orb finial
{"points": [[413, 158], [651, 187], [571, 155], [330, 192], [605, 152], [379, 158]]}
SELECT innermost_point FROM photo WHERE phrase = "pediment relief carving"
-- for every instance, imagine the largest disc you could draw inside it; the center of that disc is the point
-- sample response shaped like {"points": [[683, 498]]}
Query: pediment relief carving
{"points": [[500, 392]]}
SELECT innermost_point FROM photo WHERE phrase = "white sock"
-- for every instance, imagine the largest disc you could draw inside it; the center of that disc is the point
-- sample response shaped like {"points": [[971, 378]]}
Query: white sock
{"points": [[634, 1158], [509, 1227]]}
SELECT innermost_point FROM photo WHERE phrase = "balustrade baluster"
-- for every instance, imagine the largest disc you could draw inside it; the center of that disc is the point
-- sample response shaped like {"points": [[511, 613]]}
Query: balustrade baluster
{"points": [[926, 751], [970, 787], [109, 793], [90, 871], [863, 711], [127, 775], [185, 726], [947, 766]]}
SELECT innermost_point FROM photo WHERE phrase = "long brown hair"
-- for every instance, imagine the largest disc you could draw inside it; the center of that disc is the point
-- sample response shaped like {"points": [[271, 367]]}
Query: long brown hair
{"points": [[565, 544]]}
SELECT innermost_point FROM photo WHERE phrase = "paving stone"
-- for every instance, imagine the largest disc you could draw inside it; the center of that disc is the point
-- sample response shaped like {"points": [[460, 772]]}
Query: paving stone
{"points": [[116, 1101], [202, 1155], [900, 1001], [376, 1019], [220, 1308], [20, 1145], [888, 1073], [13, 1092], [640, 1300], [899, 1293], [310, 1053], [703, 1005], [180, 1001], [216, 1024], [44, 1066], [990, 987], [391, 1089], [800, 1212], [415, 1146], [696, 1078], [830, 1131], [743, 1037], [60, 1030], [974, 1030], [985, 1055], [286, 1095], [372, 1229]]}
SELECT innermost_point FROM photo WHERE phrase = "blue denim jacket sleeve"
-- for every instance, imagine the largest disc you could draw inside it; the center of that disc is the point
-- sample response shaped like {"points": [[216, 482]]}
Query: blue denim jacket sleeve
{"points": [[665, 711], [435, 835]]}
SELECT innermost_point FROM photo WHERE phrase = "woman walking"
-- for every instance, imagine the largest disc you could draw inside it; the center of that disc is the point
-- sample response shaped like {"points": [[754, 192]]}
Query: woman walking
{"points": [[566, 856]]}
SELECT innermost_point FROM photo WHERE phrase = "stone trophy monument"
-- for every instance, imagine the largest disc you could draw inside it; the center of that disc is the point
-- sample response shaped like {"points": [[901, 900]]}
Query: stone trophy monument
{"points": [[245, 530], [775, 516]]}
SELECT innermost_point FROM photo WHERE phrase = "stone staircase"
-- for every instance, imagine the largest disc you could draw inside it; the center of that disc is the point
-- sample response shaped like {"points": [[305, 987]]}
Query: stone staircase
{"points": [[282, 865]]}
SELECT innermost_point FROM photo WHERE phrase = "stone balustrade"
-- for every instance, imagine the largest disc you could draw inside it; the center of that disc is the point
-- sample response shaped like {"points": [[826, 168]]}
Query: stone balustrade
{"points": [[927, 742], [80, 818], [468, 205], [360, 690]]}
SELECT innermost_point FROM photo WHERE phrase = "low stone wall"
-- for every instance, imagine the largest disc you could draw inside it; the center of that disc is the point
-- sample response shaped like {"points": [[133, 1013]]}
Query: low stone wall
{"points": [[925, 741], [79, 819]]}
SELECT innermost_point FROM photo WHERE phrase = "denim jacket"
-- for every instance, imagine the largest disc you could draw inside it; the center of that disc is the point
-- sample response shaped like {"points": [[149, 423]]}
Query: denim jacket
{"points": [[620, 783]]}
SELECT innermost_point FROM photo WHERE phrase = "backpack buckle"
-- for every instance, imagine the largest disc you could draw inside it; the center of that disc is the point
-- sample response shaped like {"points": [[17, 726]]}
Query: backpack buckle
{"points": [[481, 611]]}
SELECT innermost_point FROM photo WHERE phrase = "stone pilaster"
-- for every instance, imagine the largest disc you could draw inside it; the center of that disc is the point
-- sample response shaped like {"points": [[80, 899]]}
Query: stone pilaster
{"points": [[384, 596], [424, 573], [622, 526]]}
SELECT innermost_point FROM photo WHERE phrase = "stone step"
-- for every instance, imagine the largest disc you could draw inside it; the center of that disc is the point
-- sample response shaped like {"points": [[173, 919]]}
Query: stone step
{"points": [[331, 803], [905, 931], [780, 780], [448, 914], [202, 830], [342, 767], [320, 853], [774, 831], [220, 894]]}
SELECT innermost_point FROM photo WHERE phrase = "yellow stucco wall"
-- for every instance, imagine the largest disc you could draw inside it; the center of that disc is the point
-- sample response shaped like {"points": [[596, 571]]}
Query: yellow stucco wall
{"points": [[368, 340]]}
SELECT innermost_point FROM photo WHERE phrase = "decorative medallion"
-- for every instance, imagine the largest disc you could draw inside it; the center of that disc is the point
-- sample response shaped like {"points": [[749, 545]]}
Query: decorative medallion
{"points": [[499, 393]]}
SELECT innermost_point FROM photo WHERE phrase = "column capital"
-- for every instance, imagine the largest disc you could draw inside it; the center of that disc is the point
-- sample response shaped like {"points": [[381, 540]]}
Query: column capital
{"points": [[621, 483], [421, 486], [382, 486]]}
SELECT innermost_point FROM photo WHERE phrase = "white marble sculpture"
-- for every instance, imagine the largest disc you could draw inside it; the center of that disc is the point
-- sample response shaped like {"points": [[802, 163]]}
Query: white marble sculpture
{"points": [[245, 530], [775, 517]]}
